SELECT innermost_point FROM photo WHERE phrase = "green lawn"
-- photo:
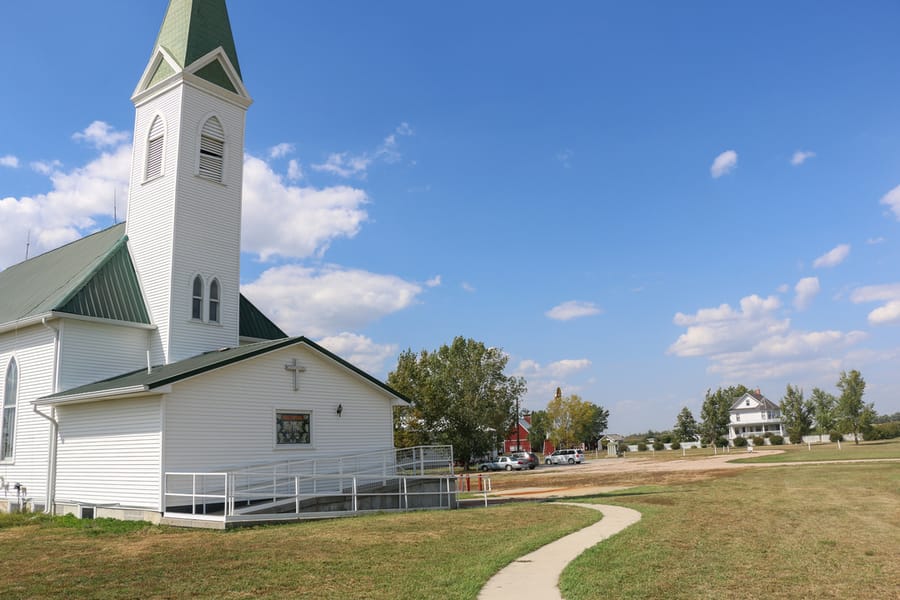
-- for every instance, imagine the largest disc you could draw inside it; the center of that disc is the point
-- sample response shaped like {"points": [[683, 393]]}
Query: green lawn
{"points": [[823, 531], [830, 451], [438, 554]]}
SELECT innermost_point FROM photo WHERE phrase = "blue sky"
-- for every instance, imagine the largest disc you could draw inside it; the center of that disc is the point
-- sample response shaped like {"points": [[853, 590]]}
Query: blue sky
{"points": [[636, 201]]}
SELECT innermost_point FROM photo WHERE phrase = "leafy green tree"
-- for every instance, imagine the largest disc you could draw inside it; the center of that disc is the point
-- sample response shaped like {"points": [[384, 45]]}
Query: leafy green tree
{"points": [[796, 414], [461, 395], [714, 414], [823, 405], [685, 426], [574, 421], [540, 427], [852, 414]]}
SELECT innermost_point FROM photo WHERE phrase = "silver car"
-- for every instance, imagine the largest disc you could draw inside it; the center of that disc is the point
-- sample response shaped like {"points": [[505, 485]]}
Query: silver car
{"points": [[563, 457]]}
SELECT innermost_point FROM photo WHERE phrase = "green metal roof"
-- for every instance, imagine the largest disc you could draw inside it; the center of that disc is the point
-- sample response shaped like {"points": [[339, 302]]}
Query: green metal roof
{"points": [[254, 324], [92, 277], [194, 28], [163, 375]]}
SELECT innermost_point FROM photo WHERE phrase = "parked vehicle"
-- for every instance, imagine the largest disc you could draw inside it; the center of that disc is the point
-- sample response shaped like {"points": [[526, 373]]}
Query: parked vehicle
{"points": [[507, 463], [562, 457], [530, 458]]}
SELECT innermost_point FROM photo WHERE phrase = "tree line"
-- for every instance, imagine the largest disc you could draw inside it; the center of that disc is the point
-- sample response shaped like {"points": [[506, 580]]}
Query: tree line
{"points": [[461, 396], [822, 412]]}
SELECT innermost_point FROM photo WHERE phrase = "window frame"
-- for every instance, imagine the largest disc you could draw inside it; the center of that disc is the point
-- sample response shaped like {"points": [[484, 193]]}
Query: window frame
{"points": [[9, 412], [152, 137], [211, 134], [197, 301], [214, 316], [310, 417]]}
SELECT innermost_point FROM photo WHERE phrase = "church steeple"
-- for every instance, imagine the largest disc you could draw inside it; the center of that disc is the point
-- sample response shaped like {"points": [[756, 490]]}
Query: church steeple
{"points": [[195, 37], [184, 206]]}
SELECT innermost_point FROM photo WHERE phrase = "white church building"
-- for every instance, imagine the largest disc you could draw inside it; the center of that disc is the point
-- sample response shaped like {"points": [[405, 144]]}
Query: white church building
{"points": [[138, 381]]}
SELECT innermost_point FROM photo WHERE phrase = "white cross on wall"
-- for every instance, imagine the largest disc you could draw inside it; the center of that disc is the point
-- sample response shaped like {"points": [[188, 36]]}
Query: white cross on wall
{"points": [[295, 370]]}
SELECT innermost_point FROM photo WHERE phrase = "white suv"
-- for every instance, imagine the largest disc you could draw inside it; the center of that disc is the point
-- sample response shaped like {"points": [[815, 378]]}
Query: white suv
{"points": [[561, 457]]}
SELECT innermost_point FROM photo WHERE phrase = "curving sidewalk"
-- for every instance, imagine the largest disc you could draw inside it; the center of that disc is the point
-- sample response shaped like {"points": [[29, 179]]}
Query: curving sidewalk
{"points": [[536, 575]]}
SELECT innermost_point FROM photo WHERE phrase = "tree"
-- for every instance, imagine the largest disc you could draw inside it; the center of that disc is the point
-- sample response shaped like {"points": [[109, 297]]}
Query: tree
{"points": [[540, 427], [574, 421], [823, 407], [460, 395], [685, 426], [796, 414], [852, 414], [715, 416]]}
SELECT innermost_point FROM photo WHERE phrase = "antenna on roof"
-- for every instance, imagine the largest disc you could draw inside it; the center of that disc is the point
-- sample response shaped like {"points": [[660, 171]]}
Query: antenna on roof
{"points": [[27, 244], [115, 214]]}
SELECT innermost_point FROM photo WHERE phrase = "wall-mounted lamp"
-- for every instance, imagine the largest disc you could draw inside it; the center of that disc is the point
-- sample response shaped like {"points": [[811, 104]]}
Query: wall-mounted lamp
{"points": [[340, 409]]}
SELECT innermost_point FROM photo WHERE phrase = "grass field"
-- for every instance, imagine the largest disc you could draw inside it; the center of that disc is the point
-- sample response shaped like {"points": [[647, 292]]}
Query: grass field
{"points": [[815, 531], [440, 554], [822, 530], [830, 451]]}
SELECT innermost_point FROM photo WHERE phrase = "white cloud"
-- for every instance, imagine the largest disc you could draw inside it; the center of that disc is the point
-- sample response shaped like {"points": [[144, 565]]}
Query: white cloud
{"points": [[290, 221], [281, 150], [70, 209], [360, 351], [45, 167], [801, 156], [889, 294], [344, 165], [404, 129], [724, 164], [719, 330], [101, 135], [325, 301], [892, 200], [783, 288], [755, 344], [573, 309], [544, 379], [565, 158], [887, 314], [468, 287], [806, 289], [875, 241], [556, 370], [833, 257], [295, 171], [9, 161], [434, 281]]}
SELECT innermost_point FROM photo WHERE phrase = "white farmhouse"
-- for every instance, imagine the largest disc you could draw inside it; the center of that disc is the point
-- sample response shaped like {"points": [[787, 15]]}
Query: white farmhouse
{"points": [[754, 415], [138, 381]]}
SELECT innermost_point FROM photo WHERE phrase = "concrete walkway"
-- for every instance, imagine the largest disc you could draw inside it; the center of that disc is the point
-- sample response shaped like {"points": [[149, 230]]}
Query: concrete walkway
{"points": [[536, 575]]}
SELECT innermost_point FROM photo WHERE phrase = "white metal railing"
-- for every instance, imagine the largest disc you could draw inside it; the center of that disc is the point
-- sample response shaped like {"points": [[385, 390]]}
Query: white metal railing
{"points": [[419, 477]]}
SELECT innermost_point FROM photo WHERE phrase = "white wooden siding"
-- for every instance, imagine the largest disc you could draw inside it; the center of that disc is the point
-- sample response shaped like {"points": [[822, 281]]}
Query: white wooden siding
{"points": [[33, 349], [226, 418], [92, 351], [151, 212], [109, 453]]}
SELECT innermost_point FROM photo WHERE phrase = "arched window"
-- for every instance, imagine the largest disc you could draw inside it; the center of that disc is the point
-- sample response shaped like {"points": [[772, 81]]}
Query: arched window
{"points": [[212, 150], [155, 143], [10, 392], [214, 301], [197, 299]]}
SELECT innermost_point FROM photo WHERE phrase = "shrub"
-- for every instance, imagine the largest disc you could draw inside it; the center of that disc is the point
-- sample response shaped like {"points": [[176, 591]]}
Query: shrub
{"points": [[622, 447], [834, 436], [658, 445], [884, 431], [642, 447], [795, 438], [721, 441], [776, 440], [740, 442], [675, 446], [767, 434], [759, 441], [666, 438]]}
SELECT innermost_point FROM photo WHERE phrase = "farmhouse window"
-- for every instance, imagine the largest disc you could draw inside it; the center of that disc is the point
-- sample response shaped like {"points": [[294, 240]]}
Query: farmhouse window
{"points": [[293, 428], [197, 299], [10, 393]]}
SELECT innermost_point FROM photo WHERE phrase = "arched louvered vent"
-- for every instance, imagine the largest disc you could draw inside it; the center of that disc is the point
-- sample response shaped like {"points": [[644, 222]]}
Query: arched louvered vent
{"points": [[212, 150], [155, 143]]}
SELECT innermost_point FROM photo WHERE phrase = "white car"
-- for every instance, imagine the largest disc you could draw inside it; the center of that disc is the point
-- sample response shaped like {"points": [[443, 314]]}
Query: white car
{"points": [[563, 457]]}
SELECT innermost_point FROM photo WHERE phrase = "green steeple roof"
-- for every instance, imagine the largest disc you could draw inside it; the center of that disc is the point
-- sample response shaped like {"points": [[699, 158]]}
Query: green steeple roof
{"points": [[194, 28]]}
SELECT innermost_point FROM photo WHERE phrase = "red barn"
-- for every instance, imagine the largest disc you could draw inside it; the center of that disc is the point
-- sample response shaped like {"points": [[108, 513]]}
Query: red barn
{"points": [[517, 441]]}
